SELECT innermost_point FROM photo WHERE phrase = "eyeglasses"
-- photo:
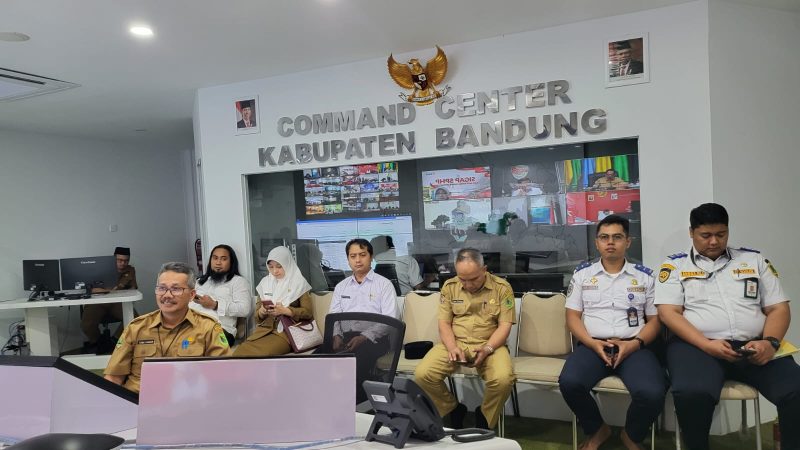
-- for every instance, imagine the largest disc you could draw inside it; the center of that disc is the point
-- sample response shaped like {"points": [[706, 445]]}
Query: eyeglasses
{"points": [[175, 291], [608, 237]]}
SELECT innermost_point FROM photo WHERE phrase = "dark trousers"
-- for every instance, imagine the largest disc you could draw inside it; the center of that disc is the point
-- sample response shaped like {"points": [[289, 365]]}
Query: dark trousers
{"points": [[643, 377], [697, 379]]}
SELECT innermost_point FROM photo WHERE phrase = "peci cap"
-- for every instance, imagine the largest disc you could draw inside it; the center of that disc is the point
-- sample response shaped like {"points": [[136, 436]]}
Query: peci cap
{"points": [[246, 104], [125, 251]]}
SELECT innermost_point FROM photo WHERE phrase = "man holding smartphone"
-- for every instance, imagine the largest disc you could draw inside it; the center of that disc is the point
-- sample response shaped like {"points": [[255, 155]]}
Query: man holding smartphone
{"points": [[611, 312], [476, 312], [728, 313]]}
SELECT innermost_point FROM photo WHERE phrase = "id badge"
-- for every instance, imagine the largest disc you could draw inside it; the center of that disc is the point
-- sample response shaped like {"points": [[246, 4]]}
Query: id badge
{"points": [[751, 288], [633, 317]]}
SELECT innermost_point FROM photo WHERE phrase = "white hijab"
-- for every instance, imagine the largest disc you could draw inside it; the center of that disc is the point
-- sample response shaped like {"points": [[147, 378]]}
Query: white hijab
{"points": [[290, 287]]}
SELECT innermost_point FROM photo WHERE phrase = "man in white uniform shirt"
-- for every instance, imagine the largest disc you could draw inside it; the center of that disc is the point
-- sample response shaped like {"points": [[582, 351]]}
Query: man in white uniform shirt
{"points": [[610, 311], [364, 291], [406, 267], [728, 313], [222, 292]]}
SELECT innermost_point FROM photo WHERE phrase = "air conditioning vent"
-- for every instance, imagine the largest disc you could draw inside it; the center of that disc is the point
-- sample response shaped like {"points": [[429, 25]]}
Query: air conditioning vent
{"points": [[16, 85]]}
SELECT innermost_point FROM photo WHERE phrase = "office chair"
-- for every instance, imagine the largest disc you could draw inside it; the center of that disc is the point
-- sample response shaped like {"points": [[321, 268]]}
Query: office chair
{"points": [[388, 271]]}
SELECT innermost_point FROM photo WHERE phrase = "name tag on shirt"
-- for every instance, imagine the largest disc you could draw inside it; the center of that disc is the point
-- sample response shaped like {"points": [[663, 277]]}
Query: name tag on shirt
{"points": [[693, 274], [744, 273], [590, 287], [457, 301], [346, 296], [636, 289], [146, 341]]}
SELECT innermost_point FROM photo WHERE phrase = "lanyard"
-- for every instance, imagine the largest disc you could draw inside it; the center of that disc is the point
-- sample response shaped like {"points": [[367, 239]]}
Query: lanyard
{"points": [[709, 272], [177, 332]]}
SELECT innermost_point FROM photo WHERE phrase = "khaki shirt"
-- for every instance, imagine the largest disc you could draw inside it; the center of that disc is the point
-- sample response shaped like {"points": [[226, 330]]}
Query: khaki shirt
{"points": [[127, 279], [475, 317], [603, 183], [145, 337]]}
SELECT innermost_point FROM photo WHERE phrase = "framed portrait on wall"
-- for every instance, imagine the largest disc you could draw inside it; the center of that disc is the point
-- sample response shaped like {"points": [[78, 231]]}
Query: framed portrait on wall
{"points": [[627, 60], [246, 119]]}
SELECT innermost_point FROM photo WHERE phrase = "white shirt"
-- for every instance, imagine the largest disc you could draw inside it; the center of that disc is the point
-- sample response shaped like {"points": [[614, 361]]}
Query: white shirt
{"points": [[406, 267], [234, 300], [712, 293], [605, 299], [374, 295]]}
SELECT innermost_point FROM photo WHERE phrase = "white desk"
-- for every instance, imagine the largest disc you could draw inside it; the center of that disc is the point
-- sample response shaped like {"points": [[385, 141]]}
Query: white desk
{"points": [[37, 317], [363, 422]]}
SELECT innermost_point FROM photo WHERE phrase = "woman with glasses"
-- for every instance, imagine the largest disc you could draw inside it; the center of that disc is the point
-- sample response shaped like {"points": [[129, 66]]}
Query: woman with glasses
{"points": [[283, 292]]}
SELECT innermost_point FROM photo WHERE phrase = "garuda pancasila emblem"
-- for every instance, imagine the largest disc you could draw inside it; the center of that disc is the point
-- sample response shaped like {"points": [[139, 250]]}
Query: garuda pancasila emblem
{"points": [[422, 81]]}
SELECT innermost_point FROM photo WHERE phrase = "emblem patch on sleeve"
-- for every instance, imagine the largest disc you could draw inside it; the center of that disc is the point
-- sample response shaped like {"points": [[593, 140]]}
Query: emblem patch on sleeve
{"points": [[664, 272], [508, 302]]}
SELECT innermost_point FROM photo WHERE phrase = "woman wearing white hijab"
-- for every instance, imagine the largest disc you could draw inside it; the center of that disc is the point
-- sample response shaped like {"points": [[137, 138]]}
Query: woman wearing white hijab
{"points": [[288, 291]]}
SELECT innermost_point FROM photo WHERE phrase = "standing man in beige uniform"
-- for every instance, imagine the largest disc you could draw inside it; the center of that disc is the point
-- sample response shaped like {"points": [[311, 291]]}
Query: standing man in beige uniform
{"points": [[94, 314], [475, 317], [173, 331]]}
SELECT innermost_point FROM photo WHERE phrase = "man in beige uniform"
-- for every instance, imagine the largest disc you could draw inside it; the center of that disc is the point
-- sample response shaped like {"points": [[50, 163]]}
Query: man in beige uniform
{"points": [[475, 318], [172, 331], [93, 314]]}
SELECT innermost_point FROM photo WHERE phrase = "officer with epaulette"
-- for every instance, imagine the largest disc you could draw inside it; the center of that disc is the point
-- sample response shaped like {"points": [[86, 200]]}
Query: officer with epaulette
{"points": [[728, 314], [476, 312], [174, 330], [611, 312]]}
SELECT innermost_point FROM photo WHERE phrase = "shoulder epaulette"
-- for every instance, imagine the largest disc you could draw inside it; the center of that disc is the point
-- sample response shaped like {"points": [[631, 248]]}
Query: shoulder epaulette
{"points": [[745, 249], [677, 256], [143, 316], [582, 266], [450, 281], [644, 269], [205, 315]]}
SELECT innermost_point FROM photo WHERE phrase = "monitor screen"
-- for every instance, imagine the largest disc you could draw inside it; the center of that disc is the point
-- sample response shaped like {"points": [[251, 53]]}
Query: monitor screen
{"points": [[332, 235], [41, 275], [96, 271], [455, 199], [371, 188]]}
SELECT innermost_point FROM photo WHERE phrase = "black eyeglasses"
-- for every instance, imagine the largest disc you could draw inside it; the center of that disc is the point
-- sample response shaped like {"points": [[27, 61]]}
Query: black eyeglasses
{"points": [[175, 291]]}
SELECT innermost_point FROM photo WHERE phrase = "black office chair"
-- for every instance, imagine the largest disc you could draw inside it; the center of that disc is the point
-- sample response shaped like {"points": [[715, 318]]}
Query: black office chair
{"points": [[375, 361], [387, 270], [69, 441]]}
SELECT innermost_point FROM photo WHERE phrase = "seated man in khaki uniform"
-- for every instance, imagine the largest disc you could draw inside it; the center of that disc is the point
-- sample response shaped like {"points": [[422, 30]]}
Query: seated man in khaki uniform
{"points": [[475, 317], [94, 314], [173, 330], [610, 181]]}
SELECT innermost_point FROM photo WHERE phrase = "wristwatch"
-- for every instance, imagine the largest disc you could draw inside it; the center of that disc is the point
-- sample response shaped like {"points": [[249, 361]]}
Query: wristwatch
{"points": [[641, 342], [774, 342]]}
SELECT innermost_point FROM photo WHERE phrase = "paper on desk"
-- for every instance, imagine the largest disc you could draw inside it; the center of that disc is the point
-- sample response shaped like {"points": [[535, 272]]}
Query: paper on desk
{"points": [[786, 349]]}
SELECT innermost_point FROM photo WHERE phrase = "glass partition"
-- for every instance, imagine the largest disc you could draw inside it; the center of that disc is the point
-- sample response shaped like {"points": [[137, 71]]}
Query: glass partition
{"points": [[531, 212]]}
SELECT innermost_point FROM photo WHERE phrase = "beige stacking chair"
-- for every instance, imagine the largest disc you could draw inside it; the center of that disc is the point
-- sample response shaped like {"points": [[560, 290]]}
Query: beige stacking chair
{"points": [[420, 315]]}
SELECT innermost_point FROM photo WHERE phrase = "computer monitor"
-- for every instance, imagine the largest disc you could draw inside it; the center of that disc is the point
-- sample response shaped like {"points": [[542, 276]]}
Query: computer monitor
{"points": [[95, 271], [41, 275]]}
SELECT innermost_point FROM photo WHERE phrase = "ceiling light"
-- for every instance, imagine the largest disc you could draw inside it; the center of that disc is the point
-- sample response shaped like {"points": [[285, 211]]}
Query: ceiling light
{"points": [[141, 31], [13, 36]]}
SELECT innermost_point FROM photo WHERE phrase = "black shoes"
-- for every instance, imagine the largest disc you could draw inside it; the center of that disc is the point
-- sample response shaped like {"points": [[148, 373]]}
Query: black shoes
{"points": [[457, 416], [480, 420]]}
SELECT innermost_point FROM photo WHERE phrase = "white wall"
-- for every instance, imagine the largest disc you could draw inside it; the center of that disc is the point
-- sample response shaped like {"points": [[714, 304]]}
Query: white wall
{"points": [[670, 114], [755, 67], [58, 197]]}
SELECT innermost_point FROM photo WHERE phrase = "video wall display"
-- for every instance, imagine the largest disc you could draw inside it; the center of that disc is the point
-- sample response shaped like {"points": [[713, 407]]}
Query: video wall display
{"points": [[537, 208], [362, 188]]}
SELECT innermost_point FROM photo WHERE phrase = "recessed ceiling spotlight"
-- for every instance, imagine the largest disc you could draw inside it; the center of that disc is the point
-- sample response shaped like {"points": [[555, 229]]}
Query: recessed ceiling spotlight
{"points": [[141, 31], [13, 36]]}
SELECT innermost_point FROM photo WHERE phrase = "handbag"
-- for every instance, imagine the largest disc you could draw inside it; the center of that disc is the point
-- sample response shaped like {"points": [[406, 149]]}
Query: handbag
{"points": [[303, 335]]}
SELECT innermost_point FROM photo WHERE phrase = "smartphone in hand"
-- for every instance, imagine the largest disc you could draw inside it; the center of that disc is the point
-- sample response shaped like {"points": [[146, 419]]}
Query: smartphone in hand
{"points": [[268, 304], [745, 352]]}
